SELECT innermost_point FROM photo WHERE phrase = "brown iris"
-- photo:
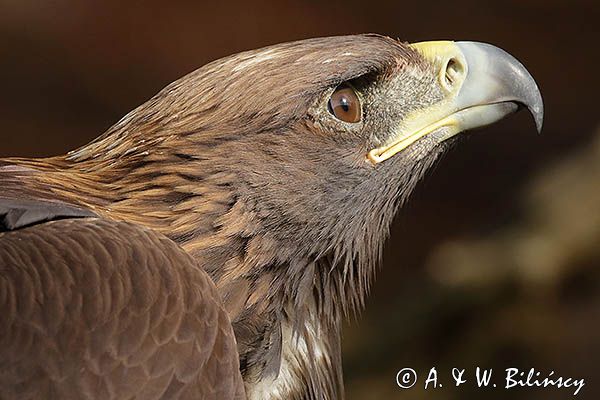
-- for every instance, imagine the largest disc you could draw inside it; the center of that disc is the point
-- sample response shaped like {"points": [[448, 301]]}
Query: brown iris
{"points": [[344, 104]]}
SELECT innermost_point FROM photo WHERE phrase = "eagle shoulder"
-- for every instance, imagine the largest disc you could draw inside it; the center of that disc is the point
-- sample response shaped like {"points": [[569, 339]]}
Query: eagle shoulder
{"points": [[100, 309]]}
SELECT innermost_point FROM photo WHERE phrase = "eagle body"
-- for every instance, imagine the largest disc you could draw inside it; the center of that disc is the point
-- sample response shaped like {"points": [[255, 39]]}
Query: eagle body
{"points": [[210, 243]]}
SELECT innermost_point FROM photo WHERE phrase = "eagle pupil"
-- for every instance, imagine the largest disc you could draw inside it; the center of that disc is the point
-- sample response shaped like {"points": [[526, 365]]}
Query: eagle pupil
{"points": [[345, 106]]}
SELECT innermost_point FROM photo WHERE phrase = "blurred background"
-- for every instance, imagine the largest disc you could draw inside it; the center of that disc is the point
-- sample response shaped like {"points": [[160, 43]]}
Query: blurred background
{"points": [[495, 262]]}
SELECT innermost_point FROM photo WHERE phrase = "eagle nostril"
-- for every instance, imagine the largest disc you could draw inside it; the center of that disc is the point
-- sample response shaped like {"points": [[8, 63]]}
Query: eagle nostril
{"points": [[452, 73]]}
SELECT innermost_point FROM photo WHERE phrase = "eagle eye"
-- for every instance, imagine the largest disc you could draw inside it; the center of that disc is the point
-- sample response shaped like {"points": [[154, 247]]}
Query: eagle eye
{"points": [[344, 104]]}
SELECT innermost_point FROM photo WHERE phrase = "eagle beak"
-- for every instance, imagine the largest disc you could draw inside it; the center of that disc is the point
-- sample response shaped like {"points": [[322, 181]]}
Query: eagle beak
{"points": [[482, 84]]}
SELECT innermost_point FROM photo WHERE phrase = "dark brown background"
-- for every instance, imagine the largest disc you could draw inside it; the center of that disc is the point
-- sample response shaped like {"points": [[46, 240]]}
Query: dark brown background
{"points": [[496, 260]]}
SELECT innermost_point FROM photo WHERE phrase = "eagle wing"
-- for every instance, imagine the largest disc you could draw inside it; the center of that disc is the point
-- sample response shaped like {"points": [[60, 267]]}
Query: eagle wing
{"points": [[93, 308]]}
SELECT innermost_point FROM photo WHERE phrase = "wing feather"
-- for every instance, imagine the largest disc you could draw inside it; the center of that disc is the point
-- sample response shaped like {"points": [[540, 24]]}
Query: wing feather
{"points": [[98, 309]]}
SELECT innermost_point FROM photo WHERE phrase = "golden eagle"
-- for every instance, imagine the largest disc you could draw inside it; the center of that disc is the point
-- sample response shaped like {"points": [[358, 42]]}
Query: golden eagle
{"points": [[209, 244]]}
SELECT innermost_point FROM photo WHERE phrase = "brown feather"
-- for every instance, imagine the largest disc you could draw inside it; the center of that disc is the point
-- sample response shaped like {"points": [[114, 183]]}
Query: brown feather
{"points": [[101, 309]]}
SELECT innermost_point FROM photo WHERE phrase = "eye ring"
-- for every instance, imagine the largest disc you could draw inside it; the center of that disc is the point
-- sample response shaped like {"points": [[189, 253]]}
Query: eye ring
{"points": [[344, 104]]}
